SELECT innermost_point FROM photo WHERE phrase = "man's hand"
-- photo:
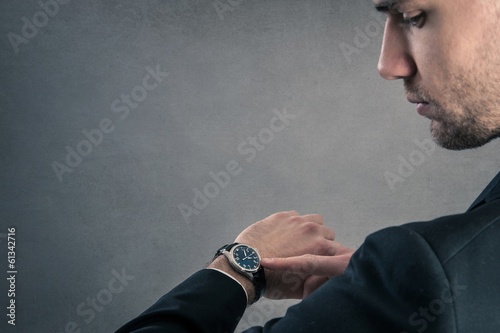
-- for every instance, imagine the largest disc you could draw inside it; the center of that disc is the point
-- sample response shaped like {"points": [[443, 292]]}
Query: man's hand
{"points": [[299, 239], [319, 268]]}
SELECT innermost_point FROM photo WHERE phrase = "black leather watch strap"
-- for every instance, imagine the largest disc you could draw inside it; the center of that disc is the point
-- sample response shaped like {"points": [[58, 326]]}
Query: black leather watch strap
{"points": [[259, 283], [226, 247], [258, 278]]}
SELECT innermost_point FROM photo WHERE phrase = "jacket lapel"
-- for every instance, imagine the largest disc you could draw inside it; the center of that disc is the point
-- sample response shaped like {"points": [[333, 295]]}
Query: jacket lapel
{"points": [[490, 193]]}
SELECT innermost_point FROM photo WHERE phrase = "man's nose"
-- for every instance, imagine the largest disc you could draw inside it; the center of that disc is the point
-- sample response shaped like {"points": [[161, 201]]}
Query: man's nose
{"points": [[395, 60]]}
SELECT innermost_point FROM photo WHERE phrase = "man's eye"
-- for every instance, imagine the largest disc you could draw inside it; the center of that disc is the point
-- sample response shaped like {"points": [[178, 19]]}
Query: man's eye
{"points": [[416, 21]]}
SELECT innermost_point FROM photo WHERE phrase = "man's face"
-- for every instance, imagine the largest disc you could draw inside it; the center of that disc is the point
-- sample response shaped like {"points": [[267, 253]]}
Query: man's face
{"points": [[448, 54]]}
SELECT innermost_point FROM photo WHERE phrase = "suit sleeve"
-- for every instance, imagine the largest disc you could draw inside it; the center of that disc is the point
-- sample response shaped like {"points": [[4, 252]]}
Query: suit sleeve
{"points": [[208, 301], [394, 283]]}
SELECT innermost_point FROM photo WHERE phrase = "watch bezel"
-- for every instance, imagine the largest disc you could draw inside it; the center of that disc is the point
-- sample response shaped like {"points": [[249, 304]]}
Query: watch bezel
{"points": [[236, 265]]}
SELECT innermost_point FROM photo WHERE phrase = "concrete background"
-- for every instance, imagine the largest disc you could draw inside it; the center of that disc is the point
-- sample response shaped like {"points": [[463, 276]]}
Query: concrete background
{"points": [[69, 68]]}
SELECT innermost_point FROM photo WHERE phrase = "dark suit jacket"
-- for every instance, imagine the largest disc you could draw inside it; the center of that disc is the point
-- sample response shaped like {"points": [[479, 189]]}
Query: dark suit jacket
{"points": [[438, 276]]}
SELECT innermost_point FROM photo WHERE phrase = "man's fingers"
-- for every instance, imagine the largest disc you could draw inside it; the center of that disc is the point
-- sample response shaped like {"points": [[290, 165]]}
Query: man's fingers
{"points": [[330, 234], [313, 283], [309, 264], [283, 215], [316, 218]]}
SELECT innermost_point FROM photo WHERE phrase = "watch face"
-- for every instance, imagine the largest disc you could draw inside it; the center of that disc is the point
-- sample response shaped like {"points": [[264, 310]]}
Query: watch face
{"points": [[246, 257]]}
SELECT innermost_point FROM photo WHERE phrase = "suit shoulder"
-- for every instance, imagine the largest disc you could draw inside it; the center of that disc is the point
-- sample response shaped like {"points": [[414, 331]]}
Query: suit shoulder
{"points": [[449, 234]]}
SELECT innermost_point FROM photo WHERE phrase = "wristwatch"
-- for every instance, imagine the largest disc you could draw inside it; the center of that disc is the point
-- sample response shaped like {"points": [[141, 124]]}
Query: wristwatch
{"points": [[246, 261]]}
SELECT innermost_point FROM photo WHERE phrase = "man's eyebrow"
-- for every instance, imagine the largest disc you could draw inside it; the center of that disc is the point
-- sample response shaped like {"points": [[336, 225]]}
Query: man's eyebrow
{"points": [[390, 5], [386, 6]]}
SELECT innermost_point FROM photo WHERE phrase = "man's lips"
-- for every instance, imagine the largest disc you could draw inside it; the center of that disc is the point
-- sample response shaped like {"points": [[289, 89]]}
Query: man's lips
{"points": [[422, 106]]}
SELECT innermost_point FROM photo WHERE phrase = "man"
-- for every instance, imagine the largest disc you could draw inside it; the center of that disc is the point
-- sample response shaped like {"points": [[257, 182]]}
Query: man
{"points": [[438, 276]]}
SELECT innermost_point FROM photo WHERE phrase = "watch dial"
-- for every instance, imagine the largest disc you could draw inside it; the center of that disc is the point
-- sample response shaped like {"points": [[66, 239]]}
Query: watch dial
{"points": [[246, 257]]}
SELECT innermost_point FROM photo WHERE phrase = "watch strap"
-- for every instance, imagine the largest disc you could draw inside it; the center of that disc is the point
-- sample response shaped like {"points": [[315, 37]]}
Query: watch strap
{"points": [[226, 247], [259, 283], [258, 278]]}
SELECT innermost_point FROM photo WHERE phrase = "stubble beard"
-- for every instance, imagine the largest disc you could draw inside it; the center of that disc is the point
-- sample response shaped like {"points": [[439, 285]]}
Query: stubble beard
{"points": [[466, 116], [460, 131]]}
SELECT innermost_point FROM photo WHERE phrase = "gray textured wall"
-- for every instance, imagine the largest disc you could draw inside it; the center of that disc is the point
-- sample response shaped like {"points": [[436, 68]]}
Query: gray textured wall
{"points": [[226, 68]]}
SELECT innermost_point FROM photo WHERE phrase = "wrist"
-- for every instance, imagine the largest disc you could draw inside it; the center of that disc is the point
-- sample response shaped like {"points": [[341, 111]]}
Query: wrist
{"points": [[222, 263]]}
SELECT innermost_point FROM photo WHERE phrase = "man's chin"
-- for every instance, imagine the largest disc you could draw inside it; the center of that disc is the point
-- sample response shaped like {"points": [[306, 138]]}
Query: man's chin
{"points": [[451, 138]]}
